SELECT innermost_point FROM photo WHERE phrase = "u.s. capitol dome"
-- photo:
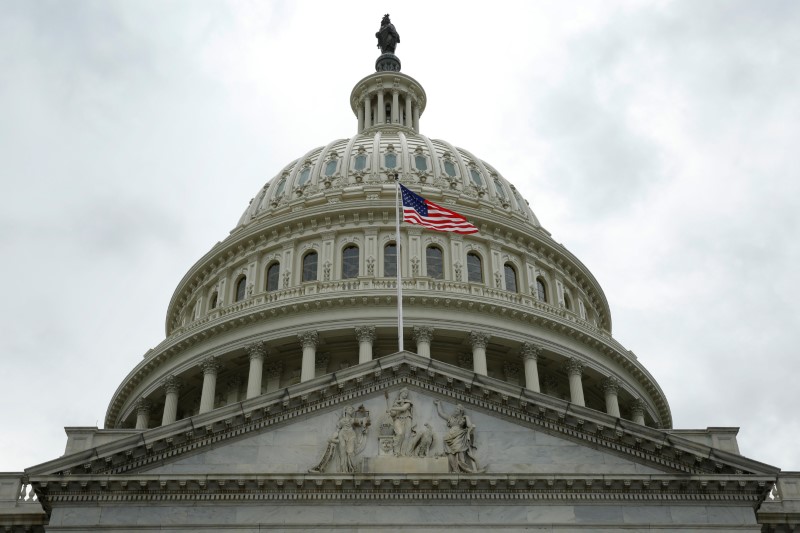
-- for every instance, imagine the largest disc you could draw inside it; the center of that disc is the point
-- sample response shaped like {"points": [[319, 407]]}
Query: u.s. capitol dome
{"points": [[305, 284]]}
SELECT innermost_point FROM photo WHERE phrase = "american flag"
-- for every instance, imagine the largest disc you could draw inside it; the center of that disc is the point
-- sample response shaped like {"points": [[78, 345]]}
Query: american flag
{"points": [[418, 210]]}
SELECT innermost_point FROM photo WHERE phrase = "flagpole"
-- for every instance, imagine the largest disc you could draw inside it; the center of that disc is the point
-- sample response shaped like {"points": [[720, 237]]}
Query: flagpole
{"points": [[399, 274]]}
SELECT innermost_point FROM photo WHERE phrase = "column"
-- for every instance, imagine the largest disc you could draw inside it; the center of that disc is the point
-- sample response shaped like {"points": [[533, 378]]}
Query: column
{"points": [[367, 113], [360, 119], [366, 338], [309, 341], [423, 335], [407, 117], [416, 117], [637, 411], [274, 372], [210, 368], [479, 341], [258, 351], [395, 107], [381, 108], [142, 413], [172, 387], [610, 389], [574, 370], [530, 360], [232, 390]]}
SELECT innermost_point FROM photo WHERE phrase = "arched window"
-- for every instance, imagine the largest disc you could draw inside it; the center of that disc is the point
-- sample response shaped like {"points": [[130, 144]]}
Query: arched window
{"points": [[310, 266], [474, 268], [435, 262], [212, 302], [350, 262], [241, 288], [511, 277], [390, 260], [273, 277], [541, 290]]}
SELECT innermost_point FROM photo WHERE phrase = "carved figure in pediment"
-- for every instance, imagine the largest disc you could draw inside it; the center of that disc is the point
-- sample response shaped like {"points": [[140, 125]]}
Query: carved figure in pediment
{"points": [[459, 441], [347, 441], [401, 412], [421, 440]]}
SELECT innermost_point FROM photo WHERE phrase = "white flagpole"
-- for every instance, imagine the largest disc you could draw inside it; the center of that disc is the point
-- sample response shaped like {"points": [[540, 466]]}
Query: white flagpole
{"points": [[399, 277]]}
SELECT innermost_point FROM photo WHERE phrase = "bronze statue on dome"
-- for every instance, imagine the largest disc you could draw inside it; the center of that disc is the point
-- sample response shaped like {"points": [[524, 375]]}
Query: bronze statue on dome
{"points": [[388, 38]]}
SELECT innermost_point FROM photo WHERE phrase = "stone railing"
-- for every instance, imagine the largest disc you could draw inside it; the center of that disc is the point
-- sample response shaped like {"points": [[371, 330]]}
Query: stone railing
{"points": [[19, 505]]}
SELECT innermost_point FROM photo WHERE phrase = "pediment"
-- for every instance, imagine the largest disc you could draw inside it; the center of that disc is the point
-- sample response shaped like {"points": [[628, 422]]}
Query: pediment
{"points": [[289, 431]]}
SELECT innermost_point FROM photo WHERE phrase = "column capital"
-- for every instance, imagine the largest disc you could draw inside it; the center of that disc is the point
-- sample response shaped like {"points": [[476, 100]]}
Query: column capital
{"points": [[638, 406], [479, 339], [610, 385], [308, 339], [172, 384], [257, 349], [365, 333], [422, 333], [573, 367], [210, 365], [143, 406], [530, 351]]}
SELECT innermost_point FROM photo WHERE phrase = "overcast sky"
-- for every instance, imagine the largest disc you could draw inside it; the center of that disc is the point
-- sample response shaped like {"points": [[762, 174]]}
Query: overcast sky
{"points": [[657, 141]]}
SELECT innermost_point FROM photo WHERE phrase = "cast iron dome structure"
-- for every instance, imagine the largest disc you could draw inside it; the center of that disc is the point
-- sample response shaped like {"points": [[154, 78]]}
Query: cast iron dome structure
{"points": [[279, 398], [309, 270]]}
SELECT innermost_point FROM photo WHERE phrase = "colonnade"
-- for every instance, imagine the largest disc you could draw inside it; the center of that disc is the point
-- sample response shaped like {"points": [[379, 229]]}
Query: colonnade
{"points": [[312, 365], [372, 110]]}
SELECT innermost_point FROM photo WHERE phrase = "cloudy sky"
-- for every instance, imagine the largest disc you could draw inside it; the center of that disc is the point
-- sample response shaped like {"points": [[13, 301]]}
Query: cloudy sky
{"points": [[657, 141]]}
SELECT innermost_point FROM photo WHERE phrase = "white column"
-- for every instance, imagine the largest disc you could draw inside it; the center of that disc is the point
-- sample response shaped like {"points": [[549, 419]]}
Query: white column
{"points": [[395, 107], [257, 351], [637, 411], [367, 112], [366, 338], [172, 387], [479, 341], [423, 335], [360, 119], [575, 371], [309, 341], [142, 413], [232, 391], [530, 360], [274, 372], [416, 117], [610, 389], [210, 368], [407, 122], [381, 108]]}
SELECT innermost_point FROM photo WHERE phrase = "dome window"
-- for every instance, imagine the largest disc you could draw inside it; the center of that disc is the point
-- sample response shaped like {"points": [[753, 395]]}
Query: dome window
{"points": [[241, 288], [330, 167], [281, 187], [305, 174], [541, 290], [310, 266], [350, 262], [449, 168], [390, 160], [511, 277], [273, 277], [390, 260], [499, 188], [434, 262], [475, 174], [421, 162], [474, 268], [361, 162]]}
